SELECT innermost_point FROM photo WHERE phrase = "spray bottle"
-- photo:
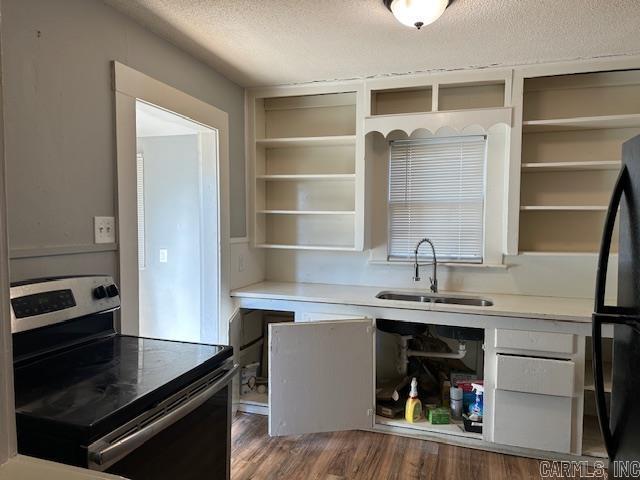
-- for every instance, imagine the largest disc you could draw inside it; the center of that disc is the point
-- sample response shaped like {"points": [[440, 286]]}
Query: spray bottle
{"points": [[413, 409], [475, 411]]}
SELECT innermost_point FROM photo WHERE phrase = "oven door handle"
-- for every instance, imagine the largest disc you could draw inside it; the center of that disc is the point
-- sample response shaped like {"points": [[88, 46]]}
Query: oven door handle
{"points": [[102, 454]]}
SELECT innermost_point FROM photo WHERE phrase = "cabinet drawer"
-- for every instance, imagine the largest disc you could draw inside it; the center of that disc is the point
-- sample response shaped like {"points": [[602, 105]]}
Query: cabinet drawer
{"points": [[535, 375], [533, 421], [535, 341]]}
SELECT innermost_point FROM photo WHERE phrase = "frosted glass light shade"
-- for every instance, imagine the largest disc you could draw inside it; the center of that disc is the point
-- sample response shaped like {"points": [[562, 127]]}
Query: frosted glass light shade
{"points": [[418, 13]]}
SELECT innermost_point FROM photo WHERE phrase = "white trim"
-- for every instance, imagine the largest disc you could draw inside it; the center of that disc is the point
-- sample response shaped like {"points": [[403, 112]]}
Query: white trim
{"points": [[130, 85], [434, 121], [7, 402]]}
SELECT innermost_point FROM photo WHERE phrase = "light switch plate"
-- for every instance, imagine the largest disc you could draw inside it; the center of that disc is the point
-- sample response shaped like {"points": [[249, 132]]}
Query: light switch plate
{"points": [[104, 229], [164, 255]]}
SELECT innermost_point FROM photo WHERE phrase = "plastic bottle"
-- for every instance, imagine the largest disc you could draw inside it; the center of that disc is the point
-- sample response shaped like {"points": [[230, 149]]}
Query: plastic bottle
{"points": [[475, 412], [413, 409], [456, 402]]}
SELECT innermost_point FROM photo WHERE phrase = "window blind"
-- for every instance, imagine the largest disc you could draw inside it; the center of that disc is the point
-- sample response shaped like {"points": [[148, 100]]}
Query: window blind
{"points": [[140, 210], [436, 190]]}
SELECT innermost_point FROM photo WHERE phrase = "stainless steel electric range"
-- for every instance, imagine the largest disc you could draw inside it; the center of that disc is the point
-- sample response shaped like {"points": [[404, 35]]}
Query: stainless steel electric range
{"points": [[87, 396]]}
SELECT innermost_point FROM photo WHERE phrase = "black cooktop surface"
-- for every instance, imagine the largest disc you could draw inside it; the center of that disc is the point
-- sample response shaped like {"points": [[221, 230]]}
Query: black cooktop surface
{"points": [[110, 380]]}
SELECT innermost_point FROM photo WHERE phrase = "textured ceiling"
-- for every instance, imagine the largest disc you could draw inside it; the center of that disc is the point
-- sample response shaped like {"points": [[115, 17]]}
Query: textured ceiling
{"points": [[262, 42]]}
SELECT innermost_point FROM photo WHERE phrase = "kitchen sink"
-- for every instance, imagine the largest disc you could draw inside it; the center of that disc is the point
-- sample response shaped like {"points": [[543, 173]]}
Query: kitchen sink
{"points": [[435, 298]]}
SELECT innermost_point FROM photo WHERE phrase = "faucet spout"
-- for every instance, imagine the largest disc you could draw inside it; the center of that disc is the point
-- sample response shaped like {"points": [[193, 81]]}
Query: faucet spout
{"points": [[433, 280]]}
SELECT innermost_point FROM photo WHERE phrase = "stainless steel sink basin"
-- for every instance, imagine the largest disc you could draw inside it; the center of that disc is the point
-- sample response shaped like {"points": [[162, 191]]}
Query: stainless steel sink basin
{"points": [[435, 298]]}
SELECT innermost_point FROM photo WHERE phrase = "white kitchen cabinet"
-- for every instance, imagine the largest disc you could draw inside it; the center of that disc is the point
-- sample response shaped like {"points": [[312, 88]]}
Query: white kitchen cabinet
{"points": [[535, 375], [535, 421], [535, 341], [320, 376]]}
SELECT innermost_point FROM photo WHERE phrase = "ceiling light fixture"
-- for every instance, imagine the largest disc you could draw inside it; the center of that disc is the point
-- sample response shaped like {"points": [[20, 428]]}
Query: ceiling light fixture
{"points": [[417, 13]]}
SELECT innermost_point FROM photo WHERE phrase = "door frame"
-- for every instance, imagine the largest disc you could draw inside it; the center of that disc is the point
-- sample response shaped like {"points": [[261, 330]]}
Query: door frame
{"points": [[130, 85]]}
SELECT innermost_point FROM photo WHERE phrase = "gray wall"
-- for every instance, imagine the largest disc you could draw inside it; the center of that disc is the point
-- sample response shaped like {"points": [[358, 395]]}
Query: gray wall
{"points": [[59, 119]]}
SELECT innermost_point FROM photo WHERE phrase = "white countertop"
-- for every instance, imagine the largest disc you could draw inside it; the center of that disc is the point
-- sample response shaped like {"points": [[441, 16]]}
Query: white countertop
{"points": [[28, 468], [523, 306]]}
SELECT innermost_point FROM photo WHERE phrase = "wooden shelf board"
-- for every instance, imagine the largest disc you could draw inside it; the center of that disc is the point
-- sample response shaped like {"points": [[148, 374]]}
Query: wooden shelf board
{"points": [[592, 443], [455, 428], [564, 208], [541, 253], [310, 177], [582, 123], [308, 212], [306, 141], [570, 166], [255, 398], [588, 376], [336, 248]]}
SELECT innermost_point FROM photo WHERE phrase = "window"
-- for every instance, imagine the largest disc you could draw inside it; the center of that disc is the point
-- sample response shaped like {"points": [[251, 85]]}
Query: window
{"points": [[436, 190]]}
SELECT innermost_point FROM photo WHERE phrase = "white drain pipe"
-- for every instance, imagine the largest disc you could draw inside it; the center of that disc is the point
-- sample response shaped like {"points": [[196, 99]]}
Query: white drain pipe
{"points": [[405, 353]]}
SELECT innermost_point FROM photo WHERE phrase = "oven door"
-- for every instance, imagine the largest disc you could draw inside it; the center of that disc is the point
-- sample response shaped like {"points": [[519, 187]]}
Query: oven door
{"points": [[187, 436]]}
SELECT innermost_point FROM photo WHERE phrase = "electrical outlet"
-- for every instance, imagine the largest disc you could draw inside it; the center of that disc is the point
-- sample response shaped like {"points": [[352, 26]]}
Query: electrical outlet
{"points": [[104, 229], [241, 263]]}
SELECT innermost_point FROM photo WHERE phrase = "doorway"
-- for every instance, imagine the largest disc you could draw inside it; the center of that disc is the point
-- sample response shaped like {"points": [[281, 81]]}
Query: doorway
{"points": [[172, 211], [177, 212]]}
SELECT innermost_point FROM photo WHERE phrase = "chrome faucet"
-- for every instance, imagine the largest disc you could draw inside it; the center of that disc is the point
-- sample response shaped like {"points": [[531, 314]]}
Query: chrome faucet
{"points": [[416, 276]]}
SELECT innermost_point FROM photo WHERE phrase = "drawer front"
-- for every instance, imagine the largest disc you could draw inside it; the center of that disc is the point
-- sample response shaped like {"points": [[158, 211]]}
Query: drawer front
{"points": [[535, 341], [527, 420], [535, 375]]}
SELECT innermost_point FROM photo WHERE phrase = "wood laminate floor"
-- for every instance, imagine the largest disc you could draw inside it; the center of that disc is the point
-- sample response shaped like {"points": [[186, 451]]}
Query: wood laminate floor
{"points": [[362, 455]]}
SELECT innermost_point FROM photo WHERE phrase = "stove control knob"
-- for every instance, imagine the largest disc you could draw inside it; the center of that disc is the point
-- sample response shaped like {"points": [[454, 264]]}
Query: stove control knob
{"points": [[112, 291], [99, 292]]}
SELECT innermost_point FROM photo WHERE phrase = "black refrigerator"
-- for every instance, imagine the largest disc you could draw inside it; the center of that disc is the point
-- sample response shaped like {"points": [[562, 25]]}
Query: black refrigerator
{"points": [[620, 425]]}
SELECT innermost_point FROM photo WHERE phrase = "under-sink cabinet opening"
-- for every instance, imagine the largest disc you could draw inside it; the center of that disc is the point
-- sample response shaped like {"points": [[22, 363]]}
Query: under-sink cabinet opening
{"points": [[447, 362], [254, 358]]}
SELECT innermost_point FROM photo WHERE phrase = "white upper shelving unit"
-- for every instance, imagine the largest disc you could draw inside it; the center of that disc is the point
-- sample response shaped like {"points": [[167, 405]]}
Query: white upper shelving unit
{"points": [[308, 169], [573, 126]]}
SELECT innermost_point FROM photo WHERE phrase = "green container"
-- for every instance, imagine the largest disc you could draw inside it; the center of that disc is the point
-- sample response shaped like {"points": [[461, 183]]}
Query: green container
{"points": [[439, 416]]}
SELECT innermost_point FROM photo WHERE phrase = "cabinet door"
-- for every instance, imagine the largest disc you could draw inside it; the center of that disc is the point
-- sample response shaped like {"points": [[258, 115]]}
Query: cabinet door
{"points": [[320, 376]]}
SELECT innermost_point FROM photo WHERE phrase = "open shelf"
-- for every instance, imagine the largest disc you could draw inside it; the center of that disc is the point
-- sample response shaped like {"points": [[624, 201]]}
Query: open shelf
{"points": [[331, 248], [574, 126], [255, 398], [592, 442], [570, 231], [401, 100], [284, 142], [570, 166], [542, 253], [305, 172], [588, 376], [468, 96], [309, 177], [564, 208], [582, 123], [582, 95], [307, 212], [455, 428]]}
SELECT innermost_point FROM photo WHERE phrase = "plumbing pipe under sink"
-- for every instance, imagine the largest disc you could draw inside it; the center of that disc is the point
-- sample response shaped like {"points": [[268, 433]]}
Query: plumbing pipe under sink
{"points": [[405, 353]]}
